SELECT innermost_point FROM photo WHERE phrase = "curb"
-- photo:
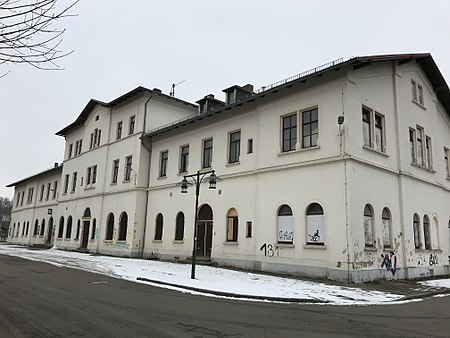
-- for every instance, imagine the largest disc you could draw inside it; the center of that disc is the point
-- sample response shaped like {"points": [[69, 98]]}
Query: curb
{"points": [[427, 294], [234, 295]]}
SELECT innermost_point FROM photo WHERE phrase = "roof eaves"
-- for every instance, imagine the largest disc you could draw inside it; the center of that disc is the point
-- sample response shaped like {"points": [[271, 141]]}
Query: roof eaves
{"points": [[45, 172]]}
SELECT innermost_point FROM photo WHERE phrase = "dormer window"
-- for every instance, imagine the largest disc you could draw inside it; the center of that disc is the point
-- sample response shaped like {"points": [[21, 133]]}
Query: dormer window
{"points": [[417, 92]]}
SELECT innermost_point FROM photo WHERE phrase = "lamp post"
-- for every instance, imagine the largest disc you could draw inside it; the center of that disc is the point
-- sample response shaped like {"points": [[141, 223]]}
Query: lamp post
{"points": [[184, 184]]}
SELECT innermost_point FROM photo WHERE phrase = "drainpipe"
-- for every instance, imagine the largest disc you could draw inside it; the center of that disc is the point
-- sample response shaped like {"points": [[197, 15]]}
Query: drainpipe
{"points": [[399, 164], [145, 112]]}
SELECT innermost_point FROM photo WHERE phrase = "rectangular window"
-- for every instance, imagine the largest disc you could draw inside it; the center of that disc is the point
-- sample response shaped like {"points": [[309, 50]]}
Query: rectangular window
{"points": [[88, 175], [70, 150], [250, 146], [249, 230], [49, 187], [373, 130], [119, 130], [132, 123], [79, 146], [99, 134], [447, 164], [30, 195], [164, 157], [41, 195], [91, 143], [412, 144], [128, 162], [21, 198], [419, 144], [234, 147], [310, 128], [115, 171], [414, 90], [207, 153], [76, 148], [94, 174], [74, 181], [66, 183], [428, 153], [366, 127], [55, 189], [420, 91], [184, 159], [289, 132]]}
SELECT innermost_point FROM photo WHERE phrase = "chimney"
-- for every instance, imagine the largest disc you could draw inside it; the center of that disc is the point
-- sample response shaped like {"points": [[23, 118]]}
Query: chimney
{"points": [[157, 90], [248, 87], [55, 165]]}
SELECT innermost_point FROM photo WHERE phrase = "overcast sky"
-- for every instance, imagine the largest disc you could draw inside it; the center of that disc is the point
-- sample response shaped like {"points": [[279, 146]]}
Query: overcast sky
{"points": [[120, 45]]}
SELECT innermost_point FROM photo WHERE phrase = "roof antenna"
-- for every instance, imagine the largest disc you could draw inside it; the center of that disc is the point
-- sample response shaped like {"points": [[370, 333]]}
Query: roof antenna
{"points": [[172, 90]]}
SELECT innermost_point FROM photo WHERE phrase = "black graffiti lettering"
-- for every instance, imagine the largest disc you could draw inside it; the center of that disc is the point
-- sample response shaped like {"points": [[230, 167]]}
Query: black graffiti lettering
{"points": [[315, 237], [433, 260], [270, 250]]}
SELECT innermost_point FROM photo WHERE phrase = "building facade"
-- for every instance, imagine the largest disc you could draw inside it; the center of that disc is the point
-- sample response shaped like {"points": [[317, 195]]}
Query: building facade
{"points": [[341, 172]]}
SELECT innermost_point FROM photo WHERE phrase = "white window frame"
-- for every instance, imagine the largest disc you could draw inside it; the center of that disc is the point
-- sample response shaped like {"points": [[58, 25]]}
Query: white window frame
{"points": [[373, 144]]}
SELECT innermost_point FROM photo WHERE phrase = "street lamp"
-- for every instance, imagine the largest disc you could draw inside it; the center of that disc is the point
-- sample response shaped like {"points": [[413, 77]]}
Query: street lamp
{"points": [[184, 184]]}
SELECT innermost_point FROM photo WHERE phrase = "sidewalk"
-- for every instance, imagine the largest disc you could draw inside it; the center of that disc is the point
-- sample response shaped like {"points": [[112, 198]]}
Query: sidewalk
{"points": [[220, 282]]}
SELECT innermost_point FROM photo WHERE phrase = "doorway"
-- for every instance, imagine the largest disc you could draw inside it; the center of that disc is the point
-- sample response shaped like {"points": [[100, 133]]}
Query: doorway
{"points": [[204, 231], [50, 233], [86, 224]]}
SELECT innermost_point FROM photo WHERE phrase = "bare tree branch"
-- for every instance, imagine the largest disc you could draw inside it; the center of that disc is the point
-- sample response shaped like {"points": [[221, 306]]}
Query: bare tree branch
{"points": [[28, 33]]}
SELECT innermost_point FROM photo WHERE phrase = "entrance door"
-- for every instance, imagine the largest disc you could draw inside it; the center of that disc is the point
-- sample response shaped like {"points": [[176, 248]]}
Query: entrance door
{"points": [[85, 235], [204, 231], [51, 232]]}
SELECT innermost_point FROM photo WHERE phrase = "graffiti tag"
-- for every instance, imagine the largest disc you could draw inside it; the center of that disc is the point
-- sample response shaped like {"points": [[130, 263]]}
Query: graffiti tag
{"points": [[270, 250], [315, 237], [286, 236], [389, 262], [433, 260]]}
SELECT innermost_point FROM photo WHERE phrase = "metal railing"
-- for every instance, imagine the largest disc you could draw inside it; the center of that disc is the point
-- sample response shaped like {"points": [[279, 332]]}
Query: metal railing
{"points": [[257, 92]]}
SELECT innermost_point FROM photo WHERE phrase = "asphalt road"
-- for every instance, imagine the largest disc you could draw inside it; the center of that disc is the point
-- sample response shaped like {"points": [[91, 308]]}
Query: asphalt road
{"points": [[41, 300]]}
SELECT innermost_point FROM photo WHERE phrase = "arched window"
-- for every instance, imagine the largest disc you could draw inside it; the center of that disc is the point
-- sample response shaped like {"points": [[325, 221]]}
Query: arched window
{"points": [[36, 228], [69, 227], [94, 229], [416, 230], [77, 234], [232, 225], [109, 227], [123, 225], [28, 228], [427, 232], [159, 227], [386, 218], [368, 226], [23, 229], [61, 227], [179, 227], [315, 225], [42, 227], [285, 225], [18, 229]]}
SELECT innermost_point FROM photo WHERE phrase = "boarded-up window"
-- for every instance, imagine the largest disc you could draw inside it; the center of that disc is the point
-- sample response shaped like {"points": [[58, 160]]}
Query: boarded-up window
{"points": [[123, 227], [109, 227], [159, 227], [285, 226], [427, 232], [315, 225], [179, 227], [69, 227], [386, 217], [232, 225], [366, 127], [416, 221], [368, 226]]}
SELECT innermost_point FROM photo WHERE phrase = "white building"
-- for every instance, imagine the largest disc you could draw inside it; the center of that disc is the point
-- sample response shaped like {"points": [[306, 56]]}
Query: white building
{"points": [[341, 172]]}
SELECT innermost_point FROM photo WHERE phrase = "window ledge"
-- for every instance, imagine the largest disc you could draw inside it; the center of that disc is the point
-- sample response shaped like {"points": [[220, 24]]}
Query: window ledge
{"points": [[231, 243], [370, 248], [126, 181], [315, 246], [157, 241], [90, 187], [420, 166], [428, 250], [285, 245], [113, 183], [298, 150], [162, 177], [419, 104], [182, 173], [232, 164], [178, 241], [107, 241], [375, 151]]}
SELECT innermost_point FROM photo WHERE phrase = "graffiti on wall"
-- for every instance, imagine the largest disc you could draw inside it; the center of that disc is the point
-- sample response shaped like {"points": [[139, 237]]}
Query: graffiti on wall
{"points": [[315, 237], [270, 250], [433, 260], [389, 262]]}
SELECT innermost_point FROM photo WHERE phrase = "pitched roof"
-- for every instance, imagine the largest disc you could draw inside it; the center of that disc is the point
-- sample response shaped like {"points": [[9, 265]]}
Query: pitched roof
{"points": [[425, 60], [46, 172], [92, 103]]}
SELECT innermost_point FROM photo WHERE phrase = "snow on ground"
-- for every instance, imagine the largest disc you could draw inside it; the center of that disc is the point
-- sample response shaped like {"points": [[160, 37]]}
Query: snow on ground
{"points": [[440, 283], [207, 278]]}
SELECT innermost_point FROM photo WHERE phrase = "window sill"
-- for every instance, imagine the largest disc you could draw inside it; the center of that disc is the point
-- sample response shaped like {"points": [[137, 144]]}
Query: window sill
{"points": [[162, 177], [105, 241], [375, 151], [428, 250], [182, 173], [419, 104], [370, 249], [285, 245], [126, 181], [231, 243], [178, 241], [89, 187], [157, 241], [298, 150], [315, 246], [58, 239], [113, 183], [232, 164], [122, 241], [417, 165]]}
